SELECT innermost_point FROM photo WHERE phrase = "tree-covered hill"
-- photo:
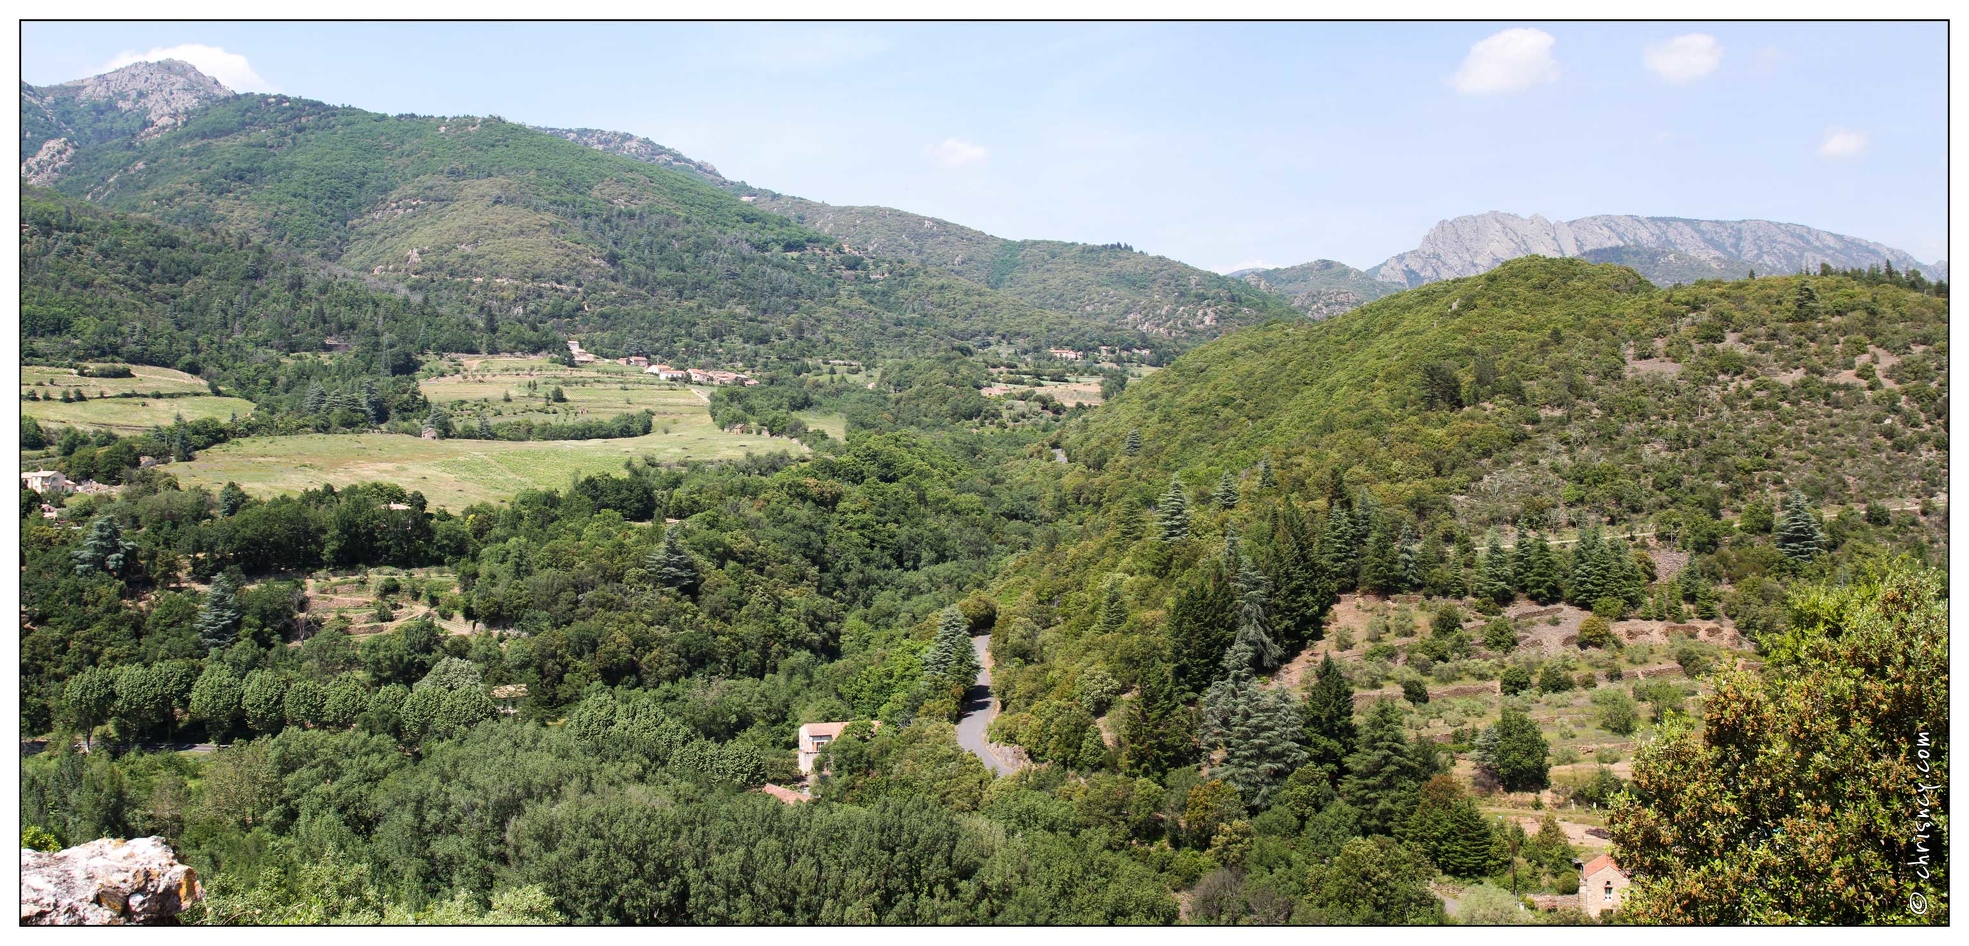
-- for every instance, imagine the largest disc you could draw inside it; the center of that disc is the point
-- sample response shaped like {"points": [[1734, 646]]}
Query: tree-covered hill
{"points": [[1115, 283], [517, 223], [1321, 289]]}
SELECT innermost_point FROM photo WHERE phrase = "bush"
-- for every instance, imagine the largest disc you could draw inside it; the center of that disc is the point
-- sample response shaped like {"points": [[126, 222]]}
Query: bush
{"points": [[1595, 631], [1415, 692], [1515, 679], [1618, 712], [1553, 678], [1610, 608]]}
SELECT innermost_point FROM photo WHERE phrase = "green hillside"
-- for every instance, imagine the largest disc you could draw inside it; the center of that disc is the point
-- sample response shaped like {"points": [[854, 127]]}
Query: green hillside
{"points": [[1119, 285], [489, 215]]}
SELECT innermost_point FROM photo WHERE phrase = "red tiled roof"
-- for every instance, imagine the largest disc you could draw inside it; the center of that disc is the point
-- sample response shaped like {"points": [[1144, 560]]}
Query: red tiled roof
{"points": [[786, 795], [830, 730], [1598, 864]]}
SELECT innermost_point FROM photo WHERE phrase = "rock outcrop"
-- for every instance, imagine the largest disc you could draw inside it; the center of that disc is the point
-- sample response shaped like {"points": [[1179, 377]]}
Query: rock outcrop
{"points": [[109, 882], [140, 100], [641, 149], [1675, 247]]}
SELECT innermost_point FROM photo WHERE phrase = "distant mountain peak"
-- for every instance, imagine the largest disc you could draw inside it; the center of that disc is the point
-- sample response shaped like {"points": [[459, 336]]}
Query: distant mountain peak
{"points": [[1665, 249], [145, 100]]}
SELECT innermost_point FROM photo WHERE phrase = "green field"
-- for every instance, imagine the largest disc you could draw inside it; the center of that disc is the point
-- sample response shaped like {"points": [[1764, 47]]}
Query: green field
{"points": [[836, 425], [127, 415], [146, 380], [451, 473], [509, 389]]}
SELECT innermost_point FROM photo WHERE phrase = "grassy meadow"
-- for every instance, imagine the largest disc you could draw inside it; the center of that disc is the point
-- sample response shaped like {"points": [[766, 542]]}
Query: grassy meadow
{"points": [[506, 389]]}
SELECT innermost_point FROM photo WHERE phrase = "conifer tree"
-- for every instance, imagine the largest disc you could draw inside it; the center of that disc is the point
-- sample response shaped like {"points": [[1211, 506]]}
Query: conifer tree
{"points": [[1413, 563], [1340, 545], [1202, 623], [1254, 628], [1543, 580], [1267, 480], [1114, 610], [1133, 445], [1226, 495], [1329, 716], [1449, 828], [1302, 590], [671, 565], [950, 658], [218, 621], [1381, 567], [1593, 571], [104, 551], [1799, 535], [485, 428], [231, 499], [1258, 730], [1157, 734], [1494, 574], [1385, 771], [1173, 513]]}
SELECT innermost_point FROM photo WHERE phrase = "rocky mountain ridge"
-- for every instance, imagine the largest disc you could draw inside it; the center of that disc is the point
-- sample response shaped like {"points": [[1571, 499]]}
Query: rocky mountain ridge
{"points": [[1473, 244], [1320, 289], [639, 148], [140, 100]]}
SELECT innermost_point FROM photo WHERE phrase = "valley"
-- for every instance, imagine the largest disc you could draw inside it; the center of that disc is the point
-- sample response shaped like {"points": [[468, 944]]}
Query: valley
{"points": [[483, 501]]}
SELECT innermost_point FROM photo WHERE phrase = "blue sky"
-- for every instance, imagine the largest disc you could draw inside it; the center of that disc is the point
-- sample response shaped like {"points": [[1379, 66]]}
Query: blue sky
{"points": [[1219, 145]]}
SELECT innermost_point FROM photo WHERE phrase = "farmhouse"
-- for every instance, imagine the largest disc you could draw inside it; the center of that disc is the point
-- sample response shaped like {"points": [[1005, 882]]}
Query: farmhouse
{"points": [[509, 696], [1065, 354], [1602, 886], [813, 736], [667, 373], [44, 481]]}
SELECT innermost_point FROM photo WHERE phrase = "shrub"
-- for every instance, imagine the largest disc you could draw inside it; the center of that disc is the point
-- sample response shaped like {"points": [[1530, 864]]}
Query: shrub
{"points": [[1596, 632]]}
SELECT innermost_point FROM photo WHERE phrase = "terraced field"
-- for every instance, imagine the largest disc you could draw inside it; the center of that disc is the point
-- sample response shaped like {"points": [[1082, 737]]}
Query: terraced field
{"points": [[509, 389]]}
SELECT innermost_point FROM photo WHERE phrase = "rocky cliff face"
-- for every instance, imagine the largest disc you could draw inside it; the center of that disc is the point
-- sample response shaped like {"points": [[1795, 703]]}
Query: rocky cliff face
{"points": [[641, 149], [140, 100], [106, 883], [1321, 289], [1470, 245]]}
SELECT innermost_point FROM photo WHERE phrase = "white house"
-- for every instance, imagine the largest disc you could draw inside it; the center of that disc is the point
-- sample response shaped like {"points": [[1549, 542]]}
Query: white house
{"points": [[44, 481], [813, 736]]}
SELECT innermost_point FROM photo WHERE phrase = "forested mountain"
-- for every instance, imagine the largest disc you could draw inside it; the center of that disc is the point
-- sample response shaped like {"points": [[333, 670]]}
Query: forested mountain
{"points": [[494, 217], [1321, 288], [1113, 283], [1664, 249]]}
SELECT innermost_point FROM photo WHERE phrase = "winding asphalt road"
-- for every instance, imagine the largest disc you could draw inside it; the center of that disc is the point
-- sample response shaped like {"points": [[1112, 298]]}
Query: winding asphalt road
{"points": [[979, 710]]}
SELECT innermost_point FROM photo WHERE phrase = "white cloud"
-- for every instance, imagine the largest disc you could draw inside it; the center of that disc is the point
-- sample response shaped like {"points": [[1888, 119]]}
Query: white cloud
{"points": [[1511, 61], [231, 69], [1842, 143], [1684, 58], [958, 153]]}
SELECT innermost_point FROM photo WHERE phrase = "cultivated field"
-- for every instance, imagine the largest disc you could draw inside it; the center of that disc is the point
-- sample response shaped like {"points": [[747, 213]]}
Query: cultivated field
{"points": [[127, 415], [453, 473], [146, 379], [507, 389]]}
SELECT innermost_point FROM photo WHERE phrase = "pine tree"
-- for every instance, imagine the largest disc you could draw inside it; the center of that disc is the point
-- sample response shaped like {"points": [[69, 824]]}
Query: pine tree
{"points": [[1226, 495], [1329, 716], [1384, 772], [1799, 535], [1133, 445], [1449, 828], [1157, 735], [1340, 545], [485, 428], [1173, 513], [950, 658], [1258, 730], [1494, 574], [1542, 581], [1254, 626], [315, 399], [218, 622], [231, 499], [1267, 480], [1114, 610], [1202, 623], [104, 550], [1412, 563], [1593, 575], [1381, 568], [1301, 588], [671, 565]]}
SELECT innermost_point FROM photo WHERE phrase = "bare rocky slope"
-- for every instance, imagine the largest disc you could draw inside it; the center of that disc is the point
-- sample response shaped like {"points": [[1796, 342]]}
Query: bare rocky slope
{"points": [[143, 100], [107, 882], [1664, 249]]}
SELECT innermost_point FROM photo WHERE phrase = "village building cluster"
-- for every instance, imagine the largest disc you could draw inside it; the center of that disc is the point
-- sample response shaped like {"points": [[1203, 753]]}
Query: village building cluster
{"points": [[665, 372]]}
